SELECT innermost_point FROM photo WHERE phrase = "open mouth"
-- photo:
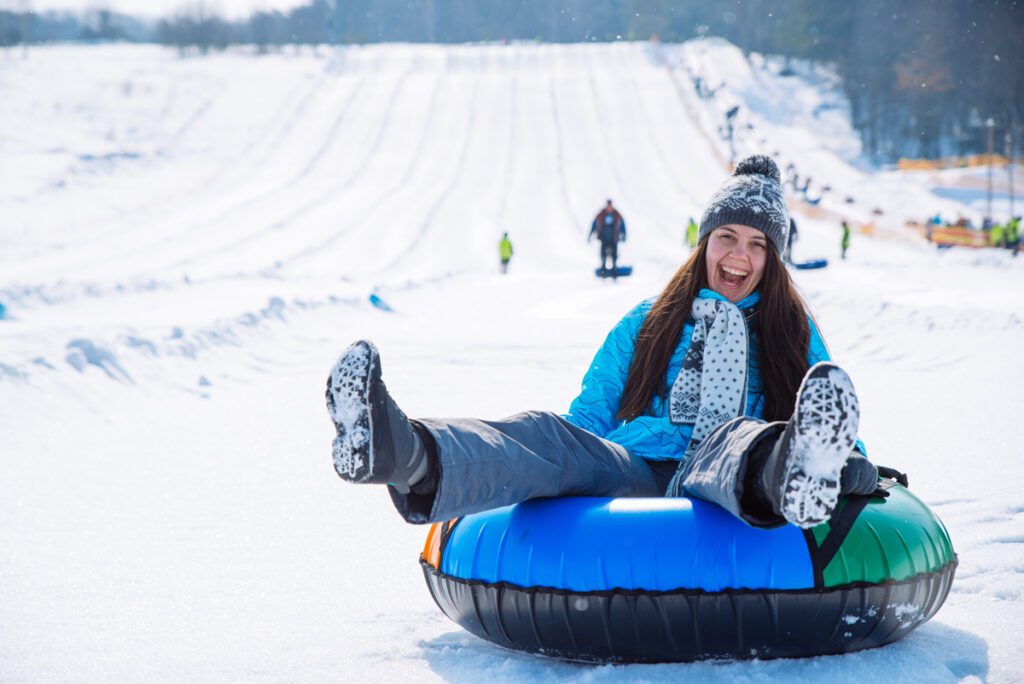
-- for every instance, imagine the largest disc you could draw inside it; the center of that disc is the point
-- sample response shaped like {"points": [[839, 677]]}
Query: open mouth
{"points": [[732, 276]]}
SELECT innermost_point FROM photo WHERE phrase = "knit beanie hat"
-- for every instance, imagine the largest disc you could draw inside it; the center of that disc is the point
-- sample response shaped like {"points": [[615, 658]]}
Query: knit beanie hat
{"points": [[751, 197]]}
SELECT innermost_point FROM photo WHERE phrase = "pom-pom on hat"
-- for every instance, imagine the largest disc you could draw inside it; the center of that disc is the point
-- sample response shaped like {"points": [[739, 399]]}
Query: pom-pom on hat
{"points": [[751, 197]]}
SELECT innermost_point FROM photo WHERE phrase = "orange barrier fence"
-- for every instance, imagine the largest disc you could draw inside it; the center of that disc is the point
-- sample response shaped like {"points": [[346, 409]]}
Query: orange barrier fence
{"points": [[961, 237], [953, 162], [954, 235]]}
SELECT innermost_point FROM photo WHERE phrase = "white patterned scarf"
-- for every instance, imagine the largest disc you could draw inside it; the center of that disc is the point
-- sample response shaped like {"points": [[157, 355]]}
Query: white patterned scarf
{"points": [[711, 387]]}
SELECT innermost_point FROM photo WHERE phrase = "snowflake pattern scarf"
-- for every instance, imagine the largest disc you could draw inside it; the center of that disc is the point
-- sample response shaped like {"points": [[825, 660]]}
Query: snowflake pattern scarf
{"points": [[711, 387]]}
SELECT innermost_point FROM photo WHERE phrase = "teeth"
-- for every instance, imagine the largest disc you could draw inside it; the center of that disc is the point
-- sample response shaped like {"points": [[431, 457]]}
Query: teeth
{"points": [[733, 271]]}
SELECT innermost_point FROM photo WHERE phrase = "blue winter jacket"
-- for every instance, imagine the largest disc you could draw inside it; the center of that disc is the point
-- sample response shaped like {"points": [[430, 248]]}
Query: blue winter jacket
{"points": [[653, 435]]}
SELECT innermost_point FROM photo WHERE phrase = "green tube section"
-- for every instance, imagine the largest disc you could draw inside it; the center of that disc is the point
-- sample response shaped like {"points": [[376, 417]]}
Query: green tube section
{"points": [[895, 538]]}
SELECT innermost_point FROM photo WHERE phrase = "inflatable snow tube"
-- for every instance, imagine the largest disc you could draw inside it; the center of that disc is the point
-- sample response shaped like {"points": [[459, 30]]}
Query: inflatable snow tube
{"points": [[669, 580], [810, 265]]}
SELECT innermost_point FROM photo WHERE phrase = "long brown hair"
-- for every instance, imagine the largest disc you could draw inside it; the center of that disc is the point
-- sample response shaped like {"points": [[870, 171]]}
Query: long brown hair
{"points": [[780, 332]]}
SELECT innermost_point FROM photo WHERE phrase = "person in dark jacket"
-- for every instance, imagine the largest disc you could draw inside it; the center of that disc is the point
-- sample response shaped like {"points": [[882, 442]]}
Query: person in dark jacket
{"points": [[719, 388], [610, 229], [790, 239]]}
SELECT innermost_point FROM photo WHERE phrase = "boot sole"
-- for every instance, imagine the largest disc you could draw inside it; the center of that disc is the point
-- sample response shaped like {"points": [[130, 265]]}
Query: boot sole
{"points": [[827, 418], [348, 403]]}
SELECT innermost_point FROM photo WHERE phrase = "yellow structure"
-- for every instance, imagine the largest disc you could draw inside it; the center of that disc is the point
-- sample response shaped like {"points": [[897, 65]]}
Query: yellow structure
{"points": [[954, 162]]}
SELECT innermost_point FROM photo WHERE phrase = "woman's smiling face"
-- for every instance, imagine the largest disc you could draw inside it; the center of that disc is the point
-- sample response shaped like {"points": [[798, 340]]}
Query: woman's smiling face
{"points": [[736, 256]]}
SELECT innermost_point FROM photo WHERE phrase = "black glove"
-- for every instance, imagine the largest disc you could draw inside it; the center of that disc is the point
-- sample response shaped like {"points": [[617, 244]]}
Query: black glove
{"points": [[893, 474], [859, 476]]}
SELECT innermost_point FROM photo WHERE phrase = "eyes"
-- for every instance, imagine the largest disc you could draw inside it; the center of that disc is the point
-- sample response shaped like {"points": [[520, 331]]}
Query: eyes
{"points": [[729, 238]]}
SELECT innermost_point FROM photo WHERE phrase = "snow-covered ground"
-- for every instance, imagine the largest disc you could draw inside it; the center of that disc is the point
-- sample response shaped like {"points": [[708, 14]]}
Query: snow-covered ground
{"points": [[187, 244]]}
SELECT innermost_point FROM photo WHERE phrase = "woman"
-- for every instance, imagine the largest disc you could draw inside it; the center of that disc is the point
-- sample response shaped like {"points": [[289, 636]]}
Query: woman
{"points": [[704, 391]]}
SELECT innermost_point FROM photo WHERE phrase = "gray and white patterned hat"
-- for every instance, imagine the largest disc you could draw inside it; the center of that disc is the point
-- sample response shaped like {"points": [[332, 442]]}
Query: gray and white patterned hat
{"points": [[751, 197]]}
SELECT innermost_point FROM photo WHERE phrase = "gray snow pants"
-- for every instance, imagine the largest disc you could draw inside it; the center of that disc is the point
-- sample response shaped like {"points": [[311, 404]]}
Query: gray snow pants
{"points": [[485, 464]]}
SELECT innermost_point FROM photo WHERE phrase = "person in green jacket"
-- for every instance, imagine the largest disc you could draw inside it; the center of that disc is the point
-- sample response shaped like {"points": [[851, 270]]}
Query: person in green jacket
{"points": [[691, 233], [1013, 235], [505, 252], [996, 236], [845, 244]]}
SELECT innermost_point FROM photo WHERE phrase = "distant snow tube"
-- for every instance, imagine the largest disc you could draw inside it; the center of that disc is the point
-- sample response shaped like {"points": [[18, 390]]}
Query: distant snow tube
{"points": [[618, 272], [810, 265], [663, 580]]}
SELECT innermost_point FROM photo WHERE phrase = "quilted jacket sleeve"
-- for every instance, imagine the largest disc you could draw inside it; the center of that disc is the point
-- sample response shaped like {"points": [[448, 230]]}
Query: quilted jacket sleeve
{"points": [[595, 408], [817, 351]]}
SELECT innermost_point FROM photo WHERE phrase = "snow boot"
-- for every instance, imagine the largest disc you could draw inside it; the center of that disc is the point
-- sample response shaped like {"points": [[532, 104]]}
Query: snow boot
{"points": [[802, 474], [376, 443]]}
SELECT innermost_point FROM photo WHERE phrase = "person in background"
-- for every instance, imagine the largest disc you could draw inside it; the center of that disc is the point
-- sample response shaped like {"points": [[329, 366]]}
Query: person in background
{"points": [[930, 226], [787, 257], [792, 177], [997, 235], [719, 388], [1013, 235], [845, 244], [610, 229], [691, 233], [504, 252], [803, 189]]}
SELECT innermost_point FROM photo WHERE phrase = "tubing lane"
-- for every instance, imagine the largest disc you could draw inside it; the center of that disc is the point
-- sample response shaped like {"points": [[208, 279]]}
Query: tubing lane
{"points": [[382, 198], [425, 226]]}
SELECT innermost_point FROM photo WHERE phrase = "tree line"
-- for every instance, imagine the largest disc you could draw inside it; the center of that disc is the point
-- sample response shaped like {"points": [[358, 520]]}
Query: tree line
{"points": [[925, 78]]}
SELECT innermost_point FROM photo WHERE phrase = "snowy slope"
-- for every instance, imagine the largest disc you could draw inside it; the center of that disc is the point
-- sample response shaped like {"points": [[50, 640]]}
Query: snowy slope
{"points": [[186, 245]]}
